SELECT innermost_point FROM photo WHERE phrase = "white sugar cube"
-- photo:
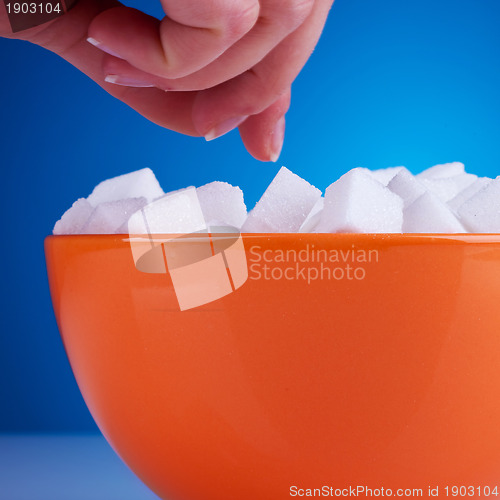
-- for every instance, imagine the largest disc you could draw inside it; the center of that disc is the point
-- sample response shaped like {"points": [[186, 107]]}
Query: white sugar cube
{"points": [[447, 188], [442, 171], [139, 184], [178, 212], [313, 218], [468, 192], [385, 175], [428, 214], [284, 206], [359, 203], [442, 199], [481, 212], [74, 218], [109, 217], [222, 204], [407, 186]]}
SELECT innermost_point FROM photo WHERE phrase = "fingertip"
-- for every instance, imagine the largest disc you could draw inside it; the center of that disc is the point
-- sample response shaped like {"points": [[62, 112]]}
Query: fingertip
{"points": [[103, 47], [224, 127], [263, 134], [277, 140], [263, 145]]}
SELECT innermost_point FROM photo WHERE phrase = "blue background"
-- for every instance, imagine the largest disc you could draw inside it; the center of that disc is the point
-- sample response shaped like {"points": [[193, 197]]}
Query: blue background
{"points": [[392, 82]]}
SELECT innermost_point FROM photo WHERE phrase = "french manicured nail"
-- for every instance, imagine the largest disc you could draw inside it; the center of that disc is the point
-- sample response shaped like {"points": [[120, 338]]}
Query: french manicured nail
{"points": [[224, 127], [126, 81], [277, 138], [102, 47]]}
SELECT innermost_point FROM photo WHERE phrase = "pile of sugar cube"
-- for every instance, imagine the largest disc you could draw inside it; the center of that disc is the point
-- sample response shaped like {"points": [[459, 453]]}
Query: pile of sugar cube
{"points": [[441, 199]]}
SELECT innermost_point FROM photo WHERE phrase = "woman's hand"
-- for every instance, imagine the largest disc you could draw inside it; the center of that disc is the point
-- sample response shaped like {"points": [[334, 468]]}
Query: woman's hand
{"points": [[206, 68]]}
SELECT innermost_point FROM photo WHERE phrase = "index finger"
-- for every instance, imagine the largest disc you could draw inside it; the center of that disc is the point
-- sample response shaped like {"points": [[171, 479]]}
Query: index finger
{"points": [[193, 34]]}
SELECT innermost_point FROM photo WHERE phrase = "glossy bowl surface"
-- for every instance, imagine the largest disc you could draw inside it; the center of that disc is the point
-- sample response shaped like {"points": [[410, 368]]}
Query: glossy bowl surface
{"points": [[390, 378]]}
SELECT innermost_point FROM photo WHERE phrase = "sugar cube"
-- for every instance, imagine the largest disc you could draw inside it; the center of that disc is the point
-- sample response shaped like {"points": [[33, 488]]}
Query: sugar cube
{"points": [[222, 204], [110, 216], [178, 212], [468, 192], [313, 218], [385, 175], [359, 203], [442, 171], [428, 214], [284, 205], [139, 184], [448, 187], [74, 218], [481, 212], [407, 186]]}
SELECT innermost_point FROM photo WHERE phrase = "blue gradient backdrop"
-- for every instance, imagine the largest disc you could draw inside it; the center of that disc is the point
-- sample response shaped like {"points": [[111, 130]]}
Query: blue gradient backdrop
{"points": [[392, 82]]}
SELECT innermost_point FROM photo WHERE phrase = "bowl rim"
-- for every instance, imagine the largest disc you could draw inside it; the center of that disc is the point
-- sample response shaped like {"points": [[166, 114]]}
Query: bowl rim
{"points": [[387, 238]]}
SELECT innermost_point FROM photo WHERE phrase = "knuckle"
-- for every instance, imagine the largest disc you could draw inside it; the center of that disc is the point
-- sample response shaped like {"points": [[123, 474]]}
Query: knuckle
{"points": [[297, 12], [241, 17], [267, 88]]}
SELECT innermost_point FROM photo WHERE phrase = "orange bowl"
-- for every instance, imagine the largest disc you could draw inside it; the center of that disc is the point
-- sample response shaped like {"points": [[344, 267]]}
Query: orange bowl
{"points": [[384, 376]]}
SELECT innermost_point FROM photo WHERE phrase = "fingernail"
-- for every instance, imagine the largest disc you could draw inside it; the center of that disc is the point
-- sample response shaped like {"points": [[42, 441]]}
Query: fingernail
{"points": [[102, 47], [224, 127], [126, 81], [277, 137]]}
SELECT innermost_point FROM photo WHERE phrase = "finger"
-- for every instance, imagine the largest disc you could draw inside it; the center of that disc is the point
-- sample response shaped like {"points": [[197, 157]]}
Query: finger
{"points": [[256, 89], [263, 134], [277, 19], [195, 33], [67, 36], [171, 111]]}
